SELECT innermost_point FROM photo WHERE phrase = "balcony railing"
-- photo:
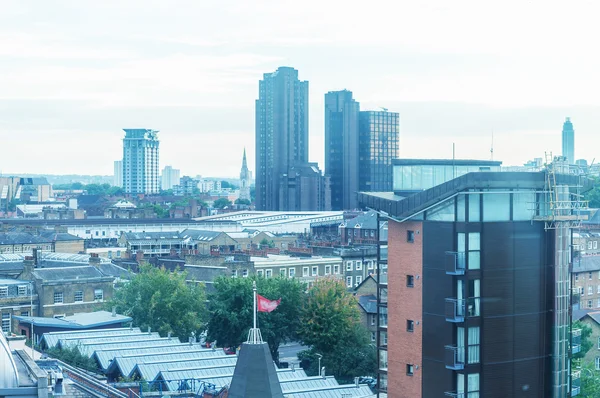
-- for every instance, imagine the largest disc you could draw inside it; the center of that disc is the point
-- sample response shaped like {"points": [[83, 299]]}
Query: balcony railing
{"points": [[457, 309], [455, 357], [455, 263], [455, 394], [575, 341]]}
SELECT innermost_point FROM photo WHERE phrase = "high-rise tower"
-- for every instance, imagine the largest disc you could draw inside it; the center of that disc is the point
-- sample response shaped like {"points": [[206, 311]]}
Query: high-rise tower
{"points": [[341, 148], [568, 141], [281, 134], [140, 161], [245, 180]]}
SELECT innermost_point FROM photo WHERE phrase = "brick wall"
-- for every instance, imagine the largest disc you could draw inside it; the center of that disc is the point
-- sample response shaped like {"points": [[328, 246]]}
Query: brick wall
{"points": [[404, 303]]}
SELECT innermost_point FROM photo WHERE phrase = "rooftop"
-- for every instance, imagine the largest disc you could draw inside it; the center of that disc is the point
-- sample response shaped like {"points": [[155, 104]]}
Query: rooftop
{"points": [[77, 321], [445, 162]]}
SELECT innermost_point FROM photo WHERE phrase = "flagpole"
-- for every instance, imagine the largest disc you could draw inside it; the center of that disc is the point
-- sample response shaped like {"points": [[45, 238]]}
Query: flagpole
{"points": [[254, 295]]}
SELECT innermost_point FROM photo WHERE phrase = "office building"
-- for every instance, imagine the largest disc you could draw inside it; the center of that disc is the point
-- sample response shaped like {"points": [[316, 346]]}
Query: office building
{"points": [[140, 161], [118, 175], [475, 302], [378, 144], [169, 178], [341, 148], [245, 180], [281, 135], [568, 141]]}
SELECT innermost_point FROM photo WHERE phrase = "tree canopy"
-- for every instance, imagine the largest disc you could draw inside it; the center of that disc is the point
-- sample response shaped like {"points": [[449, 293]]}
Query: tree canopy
{"points": [[242, 202], [164, 301], [231, 309], [331, 326], [221, 203], [593, 195], [91, 189]]}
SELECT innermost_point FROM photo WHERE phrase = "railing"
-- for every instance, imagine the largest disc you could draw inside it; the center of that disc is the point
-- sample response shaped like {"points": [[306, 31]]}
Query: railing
{"points": [[455, 263], [457, 309], [575, 383], [575, 341], [454, 394], [191, 386], [455, 357]]}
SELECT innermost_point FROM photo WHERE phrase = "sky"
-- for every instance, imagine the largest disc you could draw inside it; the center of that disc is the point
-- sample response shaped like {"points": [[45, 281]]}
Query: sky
{"points": [[73, 74]]}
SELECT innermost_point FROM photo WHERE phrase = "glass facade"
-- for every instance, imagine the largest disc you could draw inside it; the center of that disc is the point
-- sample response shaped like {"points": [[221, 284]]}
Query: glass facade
{"points": [[378, 146], [417, 177]]}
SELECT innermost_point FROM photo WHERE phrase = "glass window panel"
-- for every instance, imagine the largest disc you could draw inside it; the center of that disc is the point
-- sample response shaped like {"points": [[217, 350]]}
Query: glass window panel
{"points": [[474, 215], [496, 207], [460, 208], [461, 245], [442, 212], [523, 204], [460, 383], [474, 260], [474, 239]]}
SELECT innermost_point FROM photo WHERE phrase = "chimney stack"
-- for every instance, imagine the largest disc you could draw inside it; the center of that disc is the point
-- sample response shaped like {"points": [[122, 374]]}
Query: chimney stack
{"points": [[191, 340], [169, 335], [114, 311], [94, 259], [149, 330]]}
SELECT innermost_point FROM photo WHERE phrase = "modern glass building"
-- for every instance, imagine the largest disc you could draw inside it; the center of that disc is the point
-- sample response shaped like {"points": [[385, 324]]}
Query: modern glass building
{"points": [[379, 133], [140, 161], [341, 148], [281, 134], [568, 141]]}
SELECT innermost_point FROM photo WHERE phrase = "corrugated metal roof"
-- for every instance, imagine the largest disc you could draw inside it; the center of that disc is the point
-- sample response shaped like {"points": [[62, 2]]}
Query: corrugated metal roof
{"points": [[289, 374], [88, 350], [150, 371], [309, 383], [126, 364], [351, 390], [175, 376], [284, 375], [104, 356], [82, 342], [51, 339]]}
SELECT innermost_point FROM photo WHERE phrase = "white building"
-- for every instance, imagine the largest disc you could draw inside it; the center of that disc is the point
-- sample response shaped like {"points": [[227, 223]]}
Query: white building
{"points": [[209, 185], [169, 177], [140, 161], [118, 176]]}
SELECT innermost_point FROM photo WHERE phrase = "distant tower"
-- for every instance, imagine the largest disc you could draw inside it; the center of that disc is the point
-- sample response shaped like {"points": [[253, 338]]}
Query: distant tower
{"points": [[568, 141], [245, 180], [140, 161]]}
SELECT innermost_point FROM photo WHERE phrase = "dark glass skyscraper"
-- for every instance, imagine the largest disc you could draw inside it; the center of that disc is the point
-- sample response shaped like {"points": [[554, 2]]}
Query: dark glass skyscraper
{"points": [[568, 141], [341, 148], [285, 180], [379, 133]]}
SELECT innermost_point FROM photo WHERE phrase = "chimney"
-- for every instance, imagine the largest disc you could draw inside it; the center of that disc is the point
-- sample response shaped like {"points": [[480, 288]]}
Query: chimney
{"points": [[149, 330], [169, 335], [114, 311], [356, 382], [130, 325], [323, 371], [28, 266], [94, 259]]}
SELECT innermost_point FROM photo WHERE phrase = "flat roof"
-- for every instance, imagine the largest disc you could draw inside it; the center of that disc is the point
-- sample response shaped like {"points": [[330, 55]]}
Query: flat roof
{"points": [[445, 162]]}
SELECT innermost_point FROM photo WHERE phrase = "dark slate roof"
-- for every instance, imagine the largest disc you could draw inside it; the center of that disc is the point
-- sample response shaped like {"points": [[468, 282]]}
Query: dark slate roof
{"points": [[110, 269], [413, 204], [578, 314], [586, 264], [200, 235], [16, 238], [367, 220], [59, 236], [593, 315], [68, 273], [86, 200], [368, 303], [151, 235]]}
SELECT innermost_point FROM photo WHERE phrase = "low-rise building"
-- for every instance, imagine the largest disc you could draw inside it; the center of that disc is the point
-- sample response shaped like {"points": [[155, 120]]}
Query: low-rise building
{"points": [[591, 319], [360, 230], [307, 269], [17, 298], [45, 240], [366, 294], [586, 282], [585, 243]]}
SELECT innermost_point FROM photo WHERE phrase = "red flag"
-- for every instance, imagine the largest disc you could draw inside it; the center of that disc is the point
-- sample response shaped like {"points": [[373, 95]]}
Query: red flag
{"points": [[266, 305]]}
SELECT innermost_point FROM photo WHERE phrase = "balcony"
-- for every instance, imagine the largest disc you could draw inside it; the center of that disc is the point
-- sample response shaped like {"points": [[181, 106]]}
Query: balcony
{"points": [[455, 357], [575, 383], [575, 341], [455, 394], [455, 263], [456, 309]]}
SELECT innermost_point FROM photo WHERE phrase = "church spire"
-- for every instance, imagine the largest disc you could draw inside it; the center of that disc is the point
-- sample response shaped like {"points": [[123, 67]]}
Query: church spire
{"points": [[244, 165]]}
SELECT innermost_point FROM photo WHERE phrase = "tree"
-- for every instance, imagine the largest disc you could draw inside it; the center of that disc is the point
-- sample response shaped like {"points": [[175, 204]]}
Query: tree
{"points": [[227, 184], [231, 309], [586, 343], [221, 203], [242, 202], [593, 195], [73, 357], [330, 324], [164, 301], [590, 383]]}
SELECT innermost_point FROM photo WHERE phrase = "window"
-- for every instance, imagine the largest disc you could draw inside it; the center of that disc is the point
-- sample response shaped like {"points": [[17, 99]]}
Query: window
{"points": [[410, 281], [370, 264], [383, 337], [349, 265], [410, 325], [358, 280], [595, 244], [24, 313], [590, 245], [590, 290], [98, 295], [58, 298], [87, 231], [374, 319], [577, 276], [410, 369], [304, 271], [3, 291], [234, 273], [348, 281], [596, 362], [259, 273], [410, 236], [336, 269], [598, 289], [282, 272], [359, 265], [244, 273], [6, 322], [315, 271], [292, 272], [589, 304], [110, 254], [328, 270], [269, 273], [118, 253], [590, 276], [580, 289], [22, 290], [373, 337], [78, 296]]}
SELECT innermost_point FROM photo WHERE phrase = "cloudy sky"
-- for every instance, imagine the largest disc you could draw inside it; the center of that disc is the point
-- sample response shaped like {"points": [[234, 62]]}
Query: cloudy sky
{"points": [[74, 73]]}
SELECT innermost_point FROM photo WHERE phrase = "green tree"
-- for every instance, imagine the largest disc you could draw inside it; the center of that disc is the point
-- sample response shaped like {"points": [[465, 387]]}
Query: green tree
{"points": [[73, 357], [231, 309], [162, 300], [589, 382], [227, 184], [242, 202], [586, 343], [593, 195], [330, 324], [221, 203]]}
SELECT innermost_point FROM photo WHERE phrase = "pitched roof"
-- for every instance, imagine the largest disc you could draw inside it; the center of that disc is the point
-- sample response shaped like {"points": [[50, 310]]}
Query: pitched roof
{"points": [[367, 220], [586, 264], [200, 235], [368, 303], [68, 273]]}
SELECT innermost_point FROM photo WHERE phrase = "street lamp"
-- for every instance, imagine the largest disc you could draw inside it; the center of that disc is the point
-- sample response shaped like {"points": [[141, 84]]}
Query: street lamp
{"points": [[319, 356]]}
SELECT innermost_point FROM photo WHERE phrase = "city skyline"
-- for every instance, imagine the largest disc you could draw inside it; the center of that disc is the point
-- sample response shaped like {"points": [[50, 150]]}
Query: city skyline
{"points": [[74, 75]]}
